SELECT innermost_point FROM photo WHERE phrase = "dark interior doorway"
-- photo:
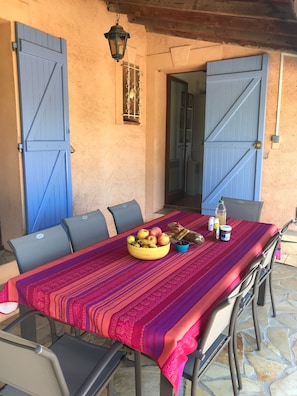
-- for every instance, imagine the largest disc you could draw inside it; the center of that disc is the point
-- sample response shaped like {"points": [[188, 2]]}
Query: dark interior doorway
{"points": [[184, 140]]}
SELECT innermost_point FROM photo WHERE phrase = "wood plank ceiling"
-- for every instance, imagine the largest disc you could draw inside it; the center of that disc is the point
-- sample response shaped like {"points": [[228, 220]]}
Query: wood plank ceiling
{"points": [[270, 24]]}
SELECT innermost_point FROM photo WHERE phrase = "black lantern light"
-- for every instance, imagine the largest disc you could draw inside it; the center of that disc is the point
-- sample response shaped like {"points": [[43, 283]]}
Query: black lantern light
{"points": [[117, 39]]}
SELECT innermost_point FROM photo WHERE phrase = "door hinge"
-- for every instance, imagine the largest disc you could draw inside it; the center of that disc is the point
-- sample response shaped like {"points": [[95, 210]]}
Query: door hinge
{"points": [[14, 45], [20, 147]]}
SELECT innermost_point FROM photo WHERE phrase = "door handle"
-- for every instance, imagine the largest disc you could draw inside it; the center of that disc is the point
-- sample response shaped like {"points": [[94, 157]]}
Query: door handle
{"points": [[258, 145]]}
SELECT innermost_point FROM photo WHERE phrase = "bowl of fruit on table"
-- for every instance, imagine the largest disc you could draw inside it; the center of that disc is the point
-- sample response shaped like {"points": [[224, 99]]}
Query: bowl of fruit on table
{"points": [[149, 244]]}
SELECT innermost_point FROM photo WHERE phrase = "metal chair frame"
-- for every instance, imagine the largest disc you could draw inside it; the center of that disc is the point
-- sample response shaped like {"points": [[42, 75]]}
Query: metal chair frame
{"points": [[70, 366], [219, 332]]}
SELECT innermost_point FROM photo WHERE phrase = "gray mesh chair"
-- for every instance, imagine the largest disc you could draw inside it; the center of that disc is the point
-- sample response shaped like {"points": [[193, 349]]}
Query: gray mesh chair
{"points": [[70, 366], [126, 215], [243, 209], [36, 249], [249, 297], [219, 332], [269, 253], [40, 247], [86, 229]]}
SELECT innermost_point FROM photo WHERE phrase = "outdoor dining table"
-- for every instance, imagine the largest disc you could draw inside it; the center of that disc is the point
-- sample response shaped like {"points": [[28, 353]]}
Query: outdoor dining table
{"points": [[157, 307]]}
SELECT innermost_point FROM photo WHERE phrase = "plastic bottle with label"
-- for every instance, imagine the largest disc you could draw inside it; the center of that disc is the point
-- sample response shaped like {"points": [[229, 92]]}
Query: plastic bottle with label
{"points": [[220, 212], [210, 223], [216, 228]]}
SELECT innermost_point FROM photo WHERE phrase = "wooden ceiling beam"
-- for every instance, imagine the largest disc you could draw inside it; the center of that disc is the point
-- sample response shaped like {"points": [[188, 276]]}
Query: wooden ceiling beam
{"points": [[222, 36], [258, 23], [147, 16], [284, 9]]}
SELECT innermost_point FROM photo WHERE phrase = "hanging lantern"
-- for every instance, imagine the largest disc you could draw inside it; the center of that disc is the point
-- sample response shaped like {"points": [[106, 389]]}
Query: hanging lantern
{"points": [[117, 39]]}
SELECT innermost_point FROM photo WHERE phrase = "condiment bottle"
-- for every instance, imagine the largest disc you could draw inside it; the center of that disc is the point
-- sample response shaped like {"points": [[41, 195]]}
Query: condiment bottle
{"points": [[210, 223], [216, 228], [220, 212]]}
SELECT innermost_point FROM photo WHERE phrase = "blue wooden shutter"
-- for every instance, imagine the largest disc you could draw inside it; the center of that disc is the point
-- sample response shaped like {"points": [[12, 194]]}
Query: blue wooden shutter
{"points": [[42, 69], [235, 121]]}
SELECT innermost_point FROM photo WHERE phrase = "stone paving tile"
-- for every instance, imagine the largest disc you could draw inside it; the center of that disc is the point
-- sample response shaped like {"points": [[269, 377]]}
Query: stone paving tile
{"points": [[6, 256]]}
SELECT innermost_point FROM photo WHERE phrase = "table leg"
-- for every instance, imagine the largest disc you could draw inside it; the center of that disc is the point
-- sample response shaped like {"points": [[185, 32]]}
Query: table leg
{"points": [[165, 387], [28, 326], [138, 379]]}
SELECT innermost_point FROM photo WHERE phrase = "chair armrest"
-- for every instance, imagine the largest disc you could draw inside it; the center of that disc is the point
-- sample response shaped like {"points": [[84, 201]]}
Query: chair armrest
{"points": [[98, 369], [28, 314]]}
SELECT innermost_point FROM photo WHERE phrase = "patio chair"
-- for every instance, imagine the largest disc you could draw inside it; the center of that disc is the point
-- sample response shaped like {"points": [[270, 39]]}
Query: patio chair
{"points": [[40, 247], [269, 253], [86, 229], [126, 215], [70, 366], [250, 297], [243, 209], [36, 249], [219, 332]]}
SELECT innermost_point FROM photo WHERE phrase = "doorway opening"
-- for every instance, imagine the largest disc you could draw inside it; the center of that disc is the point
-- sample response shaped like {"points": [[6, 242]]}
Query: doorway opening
{"points": [[185, 122]]}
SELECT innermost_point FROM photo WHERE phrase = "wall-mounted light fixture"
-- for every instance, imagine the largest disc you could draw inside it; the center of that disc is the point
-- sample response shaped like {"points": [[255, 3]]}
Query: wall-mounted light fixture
{"points": [[117, 39]]}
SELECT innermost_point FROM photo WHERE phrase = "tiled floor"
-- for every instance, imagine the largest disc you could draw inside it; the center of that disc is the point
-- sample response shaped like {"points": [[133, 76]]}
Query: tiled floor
{"points": [[271, 371], [6, 256]]}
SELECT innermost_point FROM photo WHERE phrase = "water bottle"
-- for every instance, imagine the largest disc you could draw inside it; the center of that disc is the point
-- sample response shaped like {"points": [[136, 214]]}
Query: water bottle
{"points": [[220, 212]]}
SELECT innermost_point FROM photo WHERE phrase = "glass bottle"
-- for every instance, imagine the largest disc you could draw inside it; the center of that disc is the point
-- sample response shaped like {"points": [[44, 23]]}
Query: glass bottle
{"points": [[220, 212]]}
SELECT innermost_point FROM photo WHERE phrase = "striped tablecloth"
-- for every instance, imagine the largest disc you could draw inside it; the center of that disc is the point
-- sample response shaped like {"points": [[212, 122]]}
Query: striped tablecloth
{"points": [[156, 307]]}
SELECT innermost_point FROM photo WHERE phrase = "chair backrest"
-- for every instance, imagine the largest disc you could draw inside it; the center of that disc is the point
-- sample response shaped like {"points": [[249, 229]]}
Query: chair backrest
{"points": [[285, 227], [243, 209], [86, 229], [269, 251], [126, 215], [40, 247], [30, 367], [225, 312]]}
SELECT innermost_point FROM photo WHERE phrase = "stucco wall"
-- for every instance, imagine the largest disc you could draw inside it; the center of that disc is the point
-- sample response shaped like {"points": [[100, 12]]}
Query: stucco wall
{"points": [[114, 162], [11, 213]]}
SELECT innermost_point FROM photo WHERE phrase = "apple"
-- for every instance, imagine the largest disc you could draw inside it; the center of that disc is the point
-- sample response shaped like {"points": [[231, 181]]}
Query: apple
{"points": [[163, 239], [143, 233], [156, 231], [131, 239], [152, 239]]}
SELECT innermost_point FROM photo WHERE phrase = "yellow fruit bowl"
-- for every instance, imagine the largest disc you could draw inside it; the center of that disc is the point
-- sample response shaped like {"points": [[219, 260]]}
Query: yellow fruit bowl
{"points": [[148, 253]]}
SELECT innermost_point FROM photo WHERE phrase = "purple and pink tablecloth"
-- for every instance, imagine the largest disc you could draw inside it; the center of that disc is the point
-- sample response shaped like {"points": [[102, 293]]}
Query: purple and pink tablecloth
{"points": [[156, 307]]}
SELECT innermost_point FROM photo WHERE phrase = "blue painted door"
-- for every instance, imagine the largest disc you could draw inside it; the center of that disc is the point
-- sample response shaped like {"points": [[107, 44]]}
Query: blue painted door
{"points": [[43, 90], [234, 129]]}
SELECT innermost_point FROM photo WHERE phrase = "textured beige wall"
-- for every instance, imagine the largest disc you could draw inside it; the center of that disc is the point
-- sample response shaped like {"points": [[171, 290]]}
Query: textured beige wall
{"points": [[11, 209], [114, 162], [279, 174]]}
